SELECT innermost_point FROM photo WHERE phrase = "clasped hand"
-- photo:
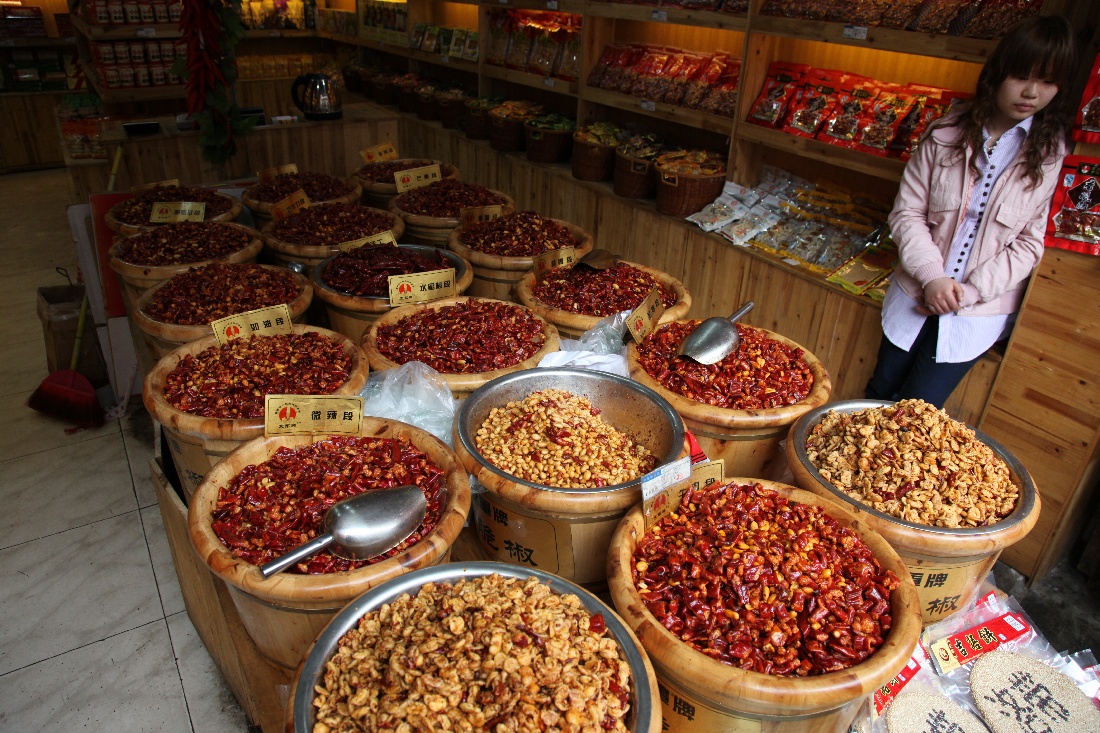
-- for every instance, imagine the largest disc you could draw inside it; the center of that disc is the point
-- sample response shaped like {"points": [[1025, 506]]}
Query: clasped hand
{"points": [[941, 296]]}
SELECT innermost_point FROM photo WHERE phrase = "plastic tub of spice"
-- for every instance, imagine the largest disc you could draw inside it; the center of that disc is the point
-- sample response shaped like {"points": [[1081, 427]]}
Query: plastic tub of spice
{"points": [[210, 398], [742, 407], [132, 215], [575, 298], [321, 188], [179, 310], [560, 453], [610, 685], [743, 632], [502, 250], [432, 212], [316, 232], [355, 285], [149, 258], [469, 341], [947, 497], [379, 186], [242, 517]]}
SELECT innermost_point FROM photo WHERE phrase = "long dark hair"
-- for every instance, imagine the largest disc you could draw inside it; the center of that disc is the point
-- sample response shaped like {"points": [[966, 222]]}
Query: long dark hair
{"points": [[1043, 44]]}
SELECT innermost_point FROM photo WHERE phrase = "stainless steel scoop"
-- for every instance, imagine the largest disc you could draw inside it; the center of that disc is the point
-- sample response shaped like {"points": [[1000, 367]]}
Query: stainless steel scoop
{"points": [[715, 338], [599, 259], [362, 526]]}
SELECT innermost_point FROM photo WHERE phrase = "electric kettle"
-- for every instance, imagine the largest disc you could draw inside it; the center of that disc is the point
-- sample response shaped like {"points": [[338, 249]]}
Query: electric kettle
{"points": [[317, 96]]}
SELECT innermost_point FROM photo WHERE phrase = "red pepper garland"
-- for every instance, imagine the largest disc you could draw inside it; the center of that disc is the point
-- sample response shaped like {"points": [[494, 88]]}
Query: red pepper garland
{"points": [[211, 29]]}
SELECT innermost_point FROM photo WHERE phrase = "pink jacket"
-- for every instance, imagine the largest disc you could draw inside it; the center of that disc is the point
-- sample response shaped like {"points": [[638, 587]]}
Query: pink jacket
{"points": [[931, 203]]}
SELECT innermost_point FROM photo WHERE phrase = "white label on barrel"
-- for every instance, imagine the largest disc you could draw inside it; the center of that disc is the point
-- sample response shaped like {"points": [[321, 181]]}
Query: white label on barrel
{"points": [[417, 177], [480, 214], [268, 321], [290, 414], [421, 287], [682, 712], [944, 589], [646, 315], [268, 174], [519, 539], [560, 257], [385, 237], [385, 151], [164, 212], [660, 503]]}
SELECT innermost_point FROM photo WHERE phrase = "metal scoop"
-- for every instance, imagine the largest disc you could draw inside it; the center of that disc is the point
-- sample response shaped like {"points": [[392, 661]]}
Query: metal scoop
{"points": [[715, 338], [362, 526], [599, 259]]}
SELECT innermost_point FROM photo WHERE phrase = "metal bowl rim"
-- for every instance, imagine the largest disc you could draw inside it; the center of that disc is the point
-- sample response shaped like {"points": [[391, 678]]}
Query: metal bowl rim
{"points": [[319, 280], [1024, 505], [314, 664], [665, 406]]}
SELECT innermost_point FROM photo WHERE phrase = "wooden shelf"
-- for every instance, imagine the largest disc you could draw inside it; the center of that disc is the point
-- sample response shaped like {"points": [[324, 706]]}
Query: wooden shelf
{"points": [[939, 45], [253, 33], [561, 86], [660, 110], [131, 94], [35, 42], [675, 16], [562, 6], [98, 32], [448, 61], [887, 168]]}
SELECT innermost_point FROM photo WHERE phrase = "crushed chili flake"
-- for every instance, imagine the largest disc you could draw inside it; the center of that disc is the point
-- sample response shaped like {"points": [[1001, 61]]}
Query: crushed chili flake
{"points": [[759, 582], [273, 507], [136, 211], [231, 381], [762, 373], [469, 337], [382, 171], [599, 292], [446, 198], [366, 270], [205, 294], [517, 234], [327, 225], [318, 187], [183, 243]]}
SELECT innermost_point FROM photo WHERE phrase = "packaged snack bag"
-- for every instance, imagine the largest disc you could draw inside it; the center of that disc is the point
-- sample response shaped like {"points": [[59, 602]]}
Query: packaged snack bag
{"points": [[857, 94], [879, 125], [781, 85], [1086, 127], [1074, 221], [678, 83], [708, 75], [814, 103], [721, 100]]}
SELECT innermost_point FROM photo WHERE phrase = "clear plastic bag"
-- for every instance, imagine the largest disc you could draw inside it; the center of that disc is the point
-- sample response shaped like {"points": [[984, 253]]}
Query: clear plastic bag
{"points": [[413, 393], [601, 347]]}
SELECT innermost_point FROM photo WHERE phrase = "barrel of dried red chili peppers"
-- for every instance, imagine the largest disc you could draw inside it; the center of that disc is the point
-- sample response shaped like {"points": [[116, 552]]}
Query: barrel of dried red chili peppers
{"points": [[132, 215], [378, 183], [180, 310], [271, 495], [210, 398], [321, 188], [742, 407], [575, 298], [316, 232], [150, 257], [355, 285], [762, 604], [469, 341], [502, 250], [432, 212]]}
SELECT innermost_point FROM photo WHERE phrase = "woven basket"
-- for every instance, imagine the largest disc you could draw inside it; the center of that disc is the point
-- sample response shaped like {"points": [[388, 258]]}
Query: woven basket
{"points": [[505, 135], [385, 92], [406, 98], [427, 108], [634, 178], [547, 146], [592, 161], [477, 124], [680, 194], [451, 112]]}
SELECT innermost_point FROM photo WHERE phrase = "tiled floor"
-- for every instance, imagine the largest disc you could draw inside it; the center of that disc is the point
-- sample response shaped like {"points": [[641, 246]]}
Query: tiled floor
{"points": [[93, 632]]}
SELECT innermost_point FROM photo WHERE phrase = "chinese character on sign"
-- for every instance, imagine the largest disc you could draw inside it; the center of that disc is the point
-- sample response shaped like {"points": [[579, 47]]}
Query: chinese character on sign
{"points": [[267, 324], [280, 321], [960, 649], [483, 504], [486, 534], [330, 414], [942, 605], [500, 516], [937, 722], [664, 693], [519, 553], [986, 635], [315, 415], [973, 642], [1029, 702], [349, 415], [253, 327], [683, 708], [935, 580], [917, 578]]}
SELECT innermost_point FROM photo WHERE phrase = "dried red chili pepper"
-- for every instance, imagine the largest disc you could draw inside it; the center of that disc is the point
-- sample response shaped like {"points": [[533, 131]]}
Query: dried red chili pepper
{"points": [[136, 211], [446, 198], [762, 373], [765, 584], [599, 292], [318, 187], [270, 508], [183, 243], [382, 171], [205, 294], [366, 270], [469, 337], [327, 225], [517, 234]]}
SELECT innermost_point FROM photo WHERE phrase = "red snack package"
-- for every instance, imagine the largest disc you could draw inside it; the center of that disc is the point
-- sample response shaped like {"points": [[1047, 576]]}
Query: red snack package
{"points": [[658, 81], [649, 67], [780, 86], [630, 70], [1086, 128], [700, 84], [994, 17], [814, 103], [857, 94], [931, 110], [721, 100], [689, 67], [879, 125], [1074, 221]]}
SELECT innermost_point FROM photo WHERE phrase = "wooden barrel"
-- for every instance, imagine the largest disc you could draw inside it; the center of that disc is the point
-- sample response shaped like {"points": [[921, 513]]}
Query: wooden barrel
{"points": [[461, 385], [198, 443], [747, 440], [127, 230], [496, 276], [563, 531], [351, 315], [283, 253], [573, 325], [136, 279], [948, 565], [261, 210], [284, 613], [436, 230], [378, 195], [726, 699], [164, 338]]}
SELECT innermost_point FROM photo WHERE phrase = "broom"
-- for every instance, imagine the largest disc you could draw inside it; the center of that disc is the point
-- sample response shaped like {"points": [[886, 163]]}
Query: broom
{"points": [[67, 394]]}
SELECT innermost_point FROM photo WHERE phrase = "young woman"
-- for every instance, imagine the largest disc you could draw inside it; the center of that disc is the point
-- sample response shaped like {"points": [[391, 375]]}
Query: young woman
{"points": [[970, 215]]}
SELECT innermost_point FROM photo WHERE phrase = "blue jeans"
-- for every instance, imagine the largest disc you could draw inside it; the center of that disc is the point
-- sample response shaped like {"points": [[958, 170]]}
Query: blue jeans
{"points": [[914, 374]]}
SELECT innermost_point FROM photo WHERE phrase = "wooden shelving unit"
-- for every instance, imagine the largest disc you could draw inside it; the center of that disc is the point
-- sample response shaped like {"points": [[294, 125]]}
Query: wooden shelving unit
{"points": [[658, 110], [96, 32], [470, 67], [671, 15], [815, 150], [561, 86], [36, 42], [561, 6]]}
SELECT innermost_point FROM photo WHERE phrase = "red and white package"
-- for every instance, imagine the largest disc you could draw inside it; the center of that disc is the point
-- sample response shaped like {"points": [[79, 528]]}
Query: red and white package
{"points": [[857, 94], [1074, 220], [1086, 127], [783, 82], [879, 125], [814, 103]]}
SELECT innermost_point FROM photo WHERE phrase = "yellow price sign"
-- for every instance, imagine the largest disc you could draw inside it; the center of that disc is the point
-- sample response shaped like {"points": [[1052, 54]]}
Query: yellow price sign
{"points": [[290, 206], [164, 212]]}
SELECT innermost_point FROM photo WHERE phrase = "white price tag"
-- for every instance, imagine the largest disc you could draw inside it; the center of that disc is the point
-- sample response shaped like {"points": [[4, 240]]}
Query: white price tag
{"points": [[445, 59], [146, 33], [551, 4], [649, 106], [659, 15], [857, 32], [548, 82], [667, 475]]}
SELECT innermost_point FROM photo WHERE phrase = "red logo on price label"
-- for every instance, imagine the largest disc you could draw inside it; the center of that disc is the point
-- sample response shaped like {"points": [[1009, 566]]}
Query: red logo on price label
{"points": [[163, 210], [404, 288], [232, 331], [638, 324], [288, 413], [406, 179]]}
